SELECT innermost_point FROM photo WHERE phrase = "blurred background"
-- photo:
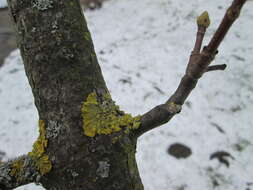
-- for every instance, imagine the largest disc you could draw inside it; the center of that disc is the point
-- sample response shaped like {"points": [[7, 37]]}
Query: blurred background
{"points": [[143, 48]]}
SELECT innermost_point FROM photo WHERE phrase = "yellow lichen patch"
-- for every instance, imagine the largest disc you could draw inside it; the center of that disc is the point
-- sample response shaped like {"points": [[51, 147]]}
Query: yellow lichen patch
{"points": [[17, 168], [40, 145], [203, 19], [44, 165], [173, 107], [105, 117], [42, 161]]}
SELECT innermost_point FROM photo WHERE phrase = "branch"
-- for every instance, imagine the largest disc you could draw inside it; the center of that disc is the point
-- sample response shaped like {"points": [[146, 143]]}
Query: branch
{"points": [[231, 15], [198, 65], [216, 67], [18, 172], [157, 116]]}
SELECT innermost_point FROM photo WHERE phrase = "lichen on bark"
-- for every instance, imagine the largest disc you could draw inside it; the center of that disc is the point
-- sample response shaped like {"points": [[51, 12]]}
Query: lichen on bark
{"points": [[17, 168], [43, 5], [42, 162], [103, 117]]}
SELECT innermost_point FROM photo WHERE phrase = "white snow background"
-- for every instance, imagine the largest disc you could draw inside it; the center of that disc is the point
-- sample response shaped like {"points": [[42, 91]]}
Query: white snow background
{"points": [[3, 3], [143, 48]]}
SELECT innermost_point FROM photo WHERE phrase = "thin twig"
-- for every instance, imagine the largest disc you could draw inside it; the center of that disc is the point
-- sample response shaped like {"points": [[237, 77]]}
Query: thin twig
{"points": [[231, 15], [216, 67], [203, 22], [198, 64]]}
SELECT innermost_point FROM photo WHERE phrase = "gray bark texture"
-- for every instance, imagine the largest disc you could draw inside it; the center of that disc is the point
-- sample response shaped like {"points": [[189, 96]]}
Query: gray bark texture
{"points": [[63, 70], [85, 141]]}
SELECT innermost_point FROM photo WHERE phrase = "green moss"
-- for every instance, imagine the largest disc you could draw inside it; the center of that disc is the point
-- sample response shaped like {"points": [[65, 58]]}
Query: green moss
{"points": [[87, 36], [115, 139], [42, 161], [104, 117], [93, 54], [71, 3]]}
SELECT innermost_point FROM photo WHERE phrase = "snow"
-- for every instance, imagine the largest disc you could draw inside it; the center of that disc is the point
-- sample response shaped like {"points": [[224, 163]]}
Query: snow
{"points": [[144, 45], [3, 3]]}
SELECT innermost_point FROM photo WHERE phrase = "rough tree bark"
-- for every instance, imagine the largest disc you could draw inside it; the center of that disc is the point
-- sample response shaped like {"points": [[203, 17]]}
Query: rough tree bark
{"points": [[85, 141]]}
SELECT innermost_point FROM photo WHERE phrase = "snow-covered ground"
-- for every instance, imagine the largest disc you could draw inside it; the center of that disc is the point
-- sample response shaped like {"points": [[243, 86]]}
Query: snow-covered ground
{"points": [[143, 48]]}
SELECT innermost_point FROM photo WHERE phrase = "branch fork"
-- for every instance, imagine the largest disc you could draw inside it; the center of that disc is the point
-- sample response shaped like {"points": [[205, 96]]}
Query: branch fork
{"points": [[199, 63], [12, 175]]}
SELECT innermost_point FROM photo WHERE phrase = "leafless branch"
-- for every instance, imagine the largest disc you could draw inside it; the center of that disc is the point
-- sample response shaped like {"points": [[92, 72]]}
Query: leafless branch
{"points": [[216, 67], [231, 15], [198, 64]]}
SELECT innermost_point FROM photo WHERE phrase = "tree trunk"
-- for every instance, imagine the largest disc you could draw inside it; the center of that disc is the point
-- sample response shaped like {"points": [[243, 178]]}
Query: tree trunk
{"points": [[85, 141], [62, 68]]}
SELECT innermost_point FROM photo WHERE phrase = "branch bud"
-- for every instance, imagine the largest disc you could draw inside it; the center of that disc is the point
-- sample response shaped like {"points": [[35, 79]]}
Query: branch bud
{"points": [[203, 20]]}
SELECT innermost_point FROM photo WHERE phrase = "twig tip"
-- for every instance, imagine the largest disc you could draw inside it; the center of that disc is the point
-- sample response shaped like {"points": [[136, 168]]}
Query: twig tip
{"points": [[203, 20]]}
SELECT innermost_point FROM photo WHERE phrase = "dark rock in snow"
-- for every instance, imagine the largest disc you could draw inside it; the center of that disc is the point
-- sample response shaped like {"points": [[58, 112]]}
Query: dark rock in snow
{"points": [[179, 150]]}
